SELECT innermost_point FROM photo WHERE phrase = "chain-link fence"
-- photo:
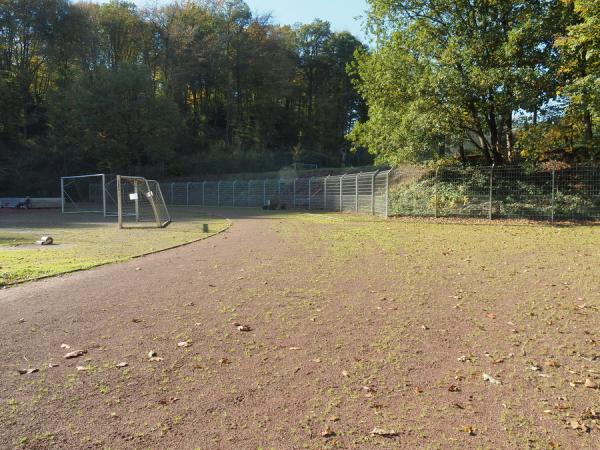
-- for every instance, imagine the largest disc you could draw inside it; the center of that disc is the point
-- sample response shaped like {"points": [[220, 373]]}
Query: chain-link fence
{"points": [[365, 193], [479, 192], [497, 193]]}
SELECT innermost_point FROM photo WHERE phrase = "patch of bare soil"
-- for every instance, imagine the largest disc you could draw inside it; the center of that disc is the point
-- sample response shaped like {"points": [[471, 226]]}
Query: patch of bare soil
{"points": [[278, 334]]}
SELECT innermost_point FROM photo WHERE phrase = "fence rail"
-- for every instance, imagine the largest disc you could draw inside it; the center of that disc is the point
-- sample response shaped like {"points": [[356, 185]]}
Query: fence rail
{"points": [[364, 193], [478, 192], [497, 193]]}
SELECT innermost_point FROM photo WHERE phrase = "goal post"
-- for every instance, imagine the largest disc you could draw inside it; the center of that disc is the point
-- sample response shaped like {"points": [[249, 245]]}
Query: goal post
{"points": [[94, 194], [140, 203]]}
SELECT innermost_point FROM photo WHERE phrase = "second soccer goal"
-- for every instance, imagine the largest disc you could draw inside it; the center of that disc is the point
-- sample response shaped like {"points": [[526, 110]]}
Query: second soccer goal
{"points": [[140, 203]]}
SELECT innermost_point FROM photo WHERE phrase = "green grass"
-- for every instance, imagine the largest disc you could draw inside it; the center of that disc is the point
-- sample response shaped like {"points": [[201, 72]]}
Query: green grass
{"points": [[84, 242]]}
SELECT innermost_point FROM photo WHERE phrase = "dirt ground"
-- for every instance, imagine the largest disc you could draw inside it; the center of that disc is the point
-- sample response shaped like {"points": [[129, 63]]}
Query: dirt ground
{"points": [[355, 333]]}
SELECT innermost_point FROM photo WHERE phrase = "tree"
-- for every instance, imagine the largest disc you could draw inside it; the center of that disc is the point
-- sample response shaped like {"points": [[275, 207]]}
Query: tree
{"points": [[449, 71], [581, 64], [117, 122]]}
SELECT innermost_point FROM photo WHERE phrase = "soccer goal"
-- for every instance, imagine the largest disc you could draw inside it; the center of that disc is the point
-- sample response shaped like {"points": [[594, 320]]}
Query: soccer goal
{"points": [[140, 203], [95, 194]]}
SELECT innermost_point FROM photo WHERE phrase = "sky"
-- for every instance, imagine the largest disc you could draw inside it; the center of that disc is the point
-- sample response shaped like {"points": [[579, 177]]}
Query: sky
{"points": [[342, 14]]}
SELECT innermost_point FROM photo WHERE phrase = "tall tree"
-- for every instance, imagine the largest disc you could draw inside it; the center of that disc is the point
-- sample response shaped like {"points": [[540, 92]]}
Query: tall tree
{"points": [[449, 71], [581, 64]]}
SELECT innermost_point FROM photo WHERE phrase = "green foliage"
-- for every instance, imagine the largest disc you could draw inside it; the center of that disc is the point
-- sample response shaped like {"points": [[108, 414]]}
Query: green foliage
{"points": [[115, 87], [116, 121], [445, 73], [516, 193]]}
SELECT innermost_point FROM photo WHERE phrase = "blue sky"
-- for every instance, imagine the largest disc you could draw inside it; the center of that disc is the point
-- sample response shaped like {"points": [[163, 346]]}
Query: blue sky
{"points": [[340, 13]]}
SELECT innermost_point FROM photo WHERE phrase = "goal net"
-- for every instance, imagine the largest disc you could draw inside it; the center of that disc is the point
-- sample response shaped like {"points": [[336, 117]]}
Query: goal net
{"points": [[89, 194], [140, 203]]}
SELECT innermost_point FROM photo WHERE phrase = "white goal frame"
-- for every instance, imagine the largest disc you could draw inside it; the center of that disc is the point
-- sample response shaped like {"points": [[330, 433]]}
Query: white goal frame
{"points": [[65, 197], [154, 197]]}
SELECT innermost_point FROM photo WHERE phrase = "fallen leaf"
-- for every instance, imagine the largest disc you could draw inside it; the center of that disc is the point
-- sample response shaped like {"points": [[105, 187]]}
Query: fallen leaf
{"points": [[383, 432], [244, 328], [28, 371], [75, 354], [65, 346], [577, 425], [589, 383], [152, 354], [453, 388], [121, 365], [487, 377], [327, 432], [184, 344], [224, 361], [469, 430]]}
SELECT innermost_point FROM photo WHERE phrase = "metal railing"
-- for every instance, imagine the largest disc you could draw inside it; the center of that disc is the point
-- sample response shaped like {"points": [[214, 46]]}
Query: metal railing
{"points": [[552, 194], [363, 193]]}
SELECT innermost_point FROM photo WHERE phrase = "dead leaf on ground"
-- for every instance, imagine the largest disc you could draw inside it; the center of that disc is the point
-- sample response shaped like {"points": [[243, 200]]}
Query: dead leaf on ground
{"points": [[28, 371], [121, 365], [469, 430], [184, 344], [578, 425], [490, 379], [75, 354], [383, 432], [327, 432], [244, 328]]}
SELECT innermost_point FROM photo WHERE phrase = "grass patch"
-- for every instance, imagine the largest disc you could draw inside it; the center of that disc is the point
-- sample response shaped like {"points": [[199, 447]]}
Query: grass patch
{"points": [[83, 242]]}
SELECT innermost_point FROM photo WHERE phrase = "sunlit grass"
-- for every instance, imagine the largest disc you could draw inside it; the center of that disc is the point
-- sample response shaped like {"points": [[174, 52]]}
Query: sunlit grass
{"points": [[83, 245]]}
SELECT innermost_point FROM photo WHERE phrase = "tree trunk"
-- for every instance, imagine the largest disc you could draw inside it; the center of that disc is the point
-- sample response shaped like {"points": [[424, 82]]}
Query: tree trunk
{"points": [[510, 138], [463, 156], [589, 130]]}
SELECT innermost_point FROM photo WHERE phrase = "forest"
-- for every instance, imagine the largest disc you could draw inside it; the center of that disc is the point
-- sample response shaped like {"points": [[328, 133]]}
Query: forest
{"points": [[206, 87], [187, 88]]}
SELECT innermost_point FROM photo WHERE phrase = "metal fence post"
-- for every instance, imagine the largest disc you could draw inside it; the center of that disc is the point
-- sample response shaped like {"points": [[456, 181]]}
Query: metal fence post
{"points": [[234, 182], [62, 194], [325, 193], [553, 188], [172, 193], [187, 194], [203, 198], [387, 194], [119, 203], [265, 193], [435, 181], [309, 192], [373, 192], [356, 191], [294, 197], [103, 194], [490, 217], [342, 193]]}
